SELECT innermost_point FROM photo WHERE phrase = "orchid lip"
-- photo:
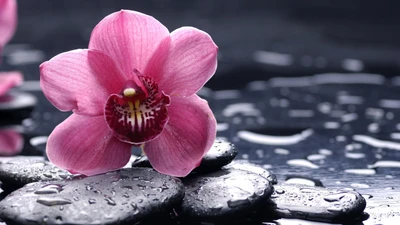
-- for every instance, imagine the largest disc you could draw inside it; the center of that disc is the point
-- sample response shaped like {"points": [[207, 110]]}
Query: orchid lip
{"points": [[137, 115]]}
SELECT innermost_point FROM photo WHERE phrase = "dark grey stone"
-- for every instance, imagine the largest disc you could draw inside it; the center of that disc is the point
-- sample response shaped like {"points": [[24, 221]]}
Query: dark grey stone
{"points": [[254, 168], [125, 196], [141, 161], [223, 195], [316, 203], [15, 106], [17, 171], [221, 153]]}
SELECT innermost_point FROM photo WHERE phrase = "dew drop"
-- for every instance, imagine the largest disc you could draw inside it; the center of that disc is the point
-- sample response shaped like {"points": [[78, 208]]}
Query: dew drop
{"points": [[235, 202], [52, 201], [49, 189], [110, 201], [334, 197]]}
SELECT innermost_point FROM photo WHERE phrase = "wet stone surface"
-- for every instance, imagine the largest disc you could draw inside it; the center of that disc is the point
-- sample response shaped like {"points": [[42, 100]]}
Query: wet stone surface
{"points": [[316, 203], [254, 168], [125, 196], [16, 105], [15, 172], [224, 194], [221, 153]]}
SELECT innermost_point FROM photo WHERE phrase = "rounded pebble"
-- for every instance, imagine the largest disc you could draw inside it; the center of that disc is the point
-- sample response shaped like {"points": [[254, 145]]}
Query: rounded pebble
{"points": [[315, 203], [17, 171], [224, 194], [125, 196]]}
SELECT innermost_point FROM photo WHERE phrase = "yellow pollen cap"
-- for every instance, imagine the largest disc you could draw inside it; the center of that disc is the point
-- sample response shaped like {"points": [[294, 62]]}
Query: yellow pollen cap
{"points": [[129, 92]]}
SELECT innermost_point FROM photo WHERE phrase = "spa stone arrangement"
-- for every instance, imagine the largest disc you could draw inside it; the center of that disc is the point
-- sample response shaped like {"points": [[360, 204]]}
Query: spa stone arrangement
{"points": [[221, 189]]}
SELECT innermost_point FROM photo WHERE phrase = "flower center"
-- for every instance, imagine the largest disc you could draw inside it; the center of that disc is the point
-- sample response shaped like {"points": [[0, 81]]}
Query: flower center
{"points": [[138, 114]]}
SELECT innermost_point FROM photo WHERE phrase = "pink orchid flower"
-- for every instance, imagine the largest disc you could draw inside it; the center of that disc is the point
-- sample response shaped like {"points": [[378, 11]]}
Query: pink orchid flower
{"points": [[8, 21], [11, 142], [135, 85]]}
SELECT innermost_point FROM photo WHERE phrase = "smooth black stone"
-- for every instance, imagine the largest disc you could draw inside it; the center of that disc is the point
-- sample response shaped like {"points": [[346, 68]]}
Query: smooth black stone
{"points": [[315, 203], [15, 106], [254, 168], [223, 194], [126, 196], [17, 171], [221, 153], [141, 161]]}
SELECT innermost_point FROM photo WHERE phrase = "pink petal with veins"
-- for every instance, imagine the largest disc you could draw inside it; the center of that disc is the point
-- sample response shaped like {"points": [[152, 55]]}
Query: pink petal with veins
{"points": [[189, 134], [8, 20], [189, 64], [130, 38], [11, 142], [9, 80], [85, 145], [80, 80]]}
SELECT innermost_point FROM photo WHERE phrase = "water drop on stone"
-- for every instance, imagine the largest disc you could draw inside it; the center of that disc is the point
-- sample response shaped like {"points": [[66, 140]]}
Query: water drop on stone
{"points": [[334, 197], [235, 202], [49, 189], [110, 201], [51, 201]]}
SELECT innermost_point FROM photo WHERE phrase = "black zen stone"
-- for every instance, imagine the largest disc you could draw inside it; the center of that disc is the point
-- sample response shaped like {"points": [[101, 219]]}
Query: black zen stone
{"points": [[221, 153], [120, 197], [17, 171], [316, 203], [254, 168], [141, 161], [16, 106], [223, 195]]}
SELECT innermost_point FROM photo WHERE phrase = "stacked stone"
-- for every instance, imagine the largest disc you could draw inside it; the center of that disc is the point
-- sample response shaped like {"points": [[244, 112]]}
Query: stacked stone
{"points": [[220, 190]]}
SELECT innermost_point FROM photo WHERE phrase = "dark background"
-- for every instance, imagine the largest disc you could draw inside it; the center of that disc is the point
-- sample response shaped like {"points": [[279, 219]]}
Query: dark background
{"points": [[316, 36]]}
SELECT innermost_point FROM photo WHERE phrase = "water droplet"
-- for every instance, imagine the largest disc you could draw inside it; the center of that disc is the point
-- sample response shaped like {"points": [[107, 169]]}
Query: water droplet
{"points": [[52, 201], [110, 201], [334, 197], [127, 187], [361, 171], [216, 208], [88, 187], [48, 175], [92, 201], [334, 209], [49, 189], [358, 185], [302, 163], [235, 202], [59, 219], [280, 191]]}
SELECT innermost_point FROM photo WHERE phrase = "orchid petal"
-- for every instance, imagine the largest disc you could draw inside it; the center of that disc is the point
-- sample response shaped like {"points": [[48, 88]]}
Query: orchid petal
{"points": [[130, 38], [8, 20], [9, 80], [80, 80], [189, 134], [85, 145], [11, 142], [191, 61]]}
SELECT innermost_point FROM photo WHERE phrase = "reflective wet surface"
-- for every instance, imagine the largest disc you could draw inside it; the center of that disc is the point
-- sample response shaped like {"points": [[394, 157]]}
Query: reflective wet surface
{"points": [[335, 130]]}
